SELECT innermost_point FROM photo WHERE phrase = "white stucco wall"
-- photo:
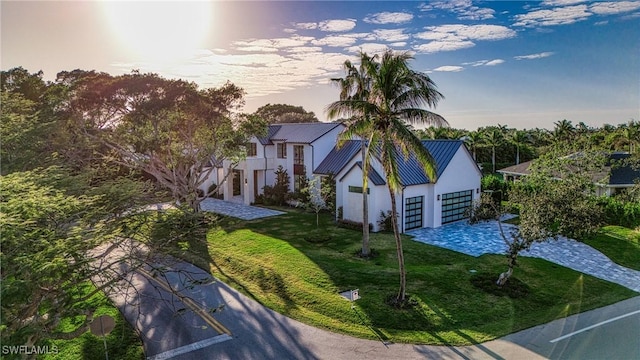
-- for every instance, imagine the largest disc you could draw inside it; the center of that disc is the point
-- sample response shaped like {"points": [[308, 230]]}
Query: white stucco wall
{"points": [[461, 174]]}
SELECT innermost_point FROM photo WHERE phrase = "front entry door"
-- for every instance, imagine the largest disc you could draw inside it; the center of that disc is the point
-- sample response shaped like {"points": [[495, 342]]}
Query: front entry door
{"points": [[237, 182]]}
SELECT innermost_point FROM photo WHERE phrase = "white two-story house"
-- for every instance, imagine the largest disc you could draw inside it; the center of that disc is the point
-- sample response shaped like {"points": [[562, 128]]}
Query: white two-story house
{"points": [[298, 148]]}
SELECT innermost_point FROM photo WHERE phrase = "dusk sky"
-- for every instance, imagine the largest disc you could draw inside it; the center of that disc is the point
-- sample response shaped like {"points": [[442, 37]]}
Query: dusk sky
{"points": [[524, 64]]}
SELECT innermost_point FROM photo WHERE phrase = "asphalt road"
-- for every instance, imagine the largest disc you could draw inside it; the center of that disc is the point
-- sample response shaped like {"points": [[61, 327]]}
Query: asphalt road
{"points": [[241, 328]]}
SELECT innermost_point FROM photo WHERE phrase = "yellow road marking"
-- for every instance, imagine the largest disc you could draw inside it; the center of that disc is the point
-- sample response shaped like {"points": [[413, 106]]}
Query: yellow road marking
{"points": [[205, 315]]}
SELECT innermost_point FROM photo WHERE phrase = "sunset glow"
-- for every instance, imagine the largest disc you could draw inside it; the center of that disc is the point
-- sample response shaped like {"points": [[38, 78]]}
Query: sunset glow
{"points": [[164, 33]]}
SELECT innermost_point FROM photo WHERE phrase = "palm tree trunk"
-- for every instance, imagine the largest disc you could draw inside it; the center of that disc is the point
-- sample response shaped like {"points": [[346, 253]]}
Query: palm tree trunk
{"points": [[493, 158], [365, 206], [399, 251]]}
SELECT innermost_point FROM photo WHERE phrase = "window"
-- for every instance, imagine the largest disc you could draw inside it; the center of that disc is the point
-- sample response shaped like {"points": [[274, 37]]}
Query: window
{"points": [[298, 154], [252, 150], [358, 189], [282, 150], [455, 205], [413, 213]]}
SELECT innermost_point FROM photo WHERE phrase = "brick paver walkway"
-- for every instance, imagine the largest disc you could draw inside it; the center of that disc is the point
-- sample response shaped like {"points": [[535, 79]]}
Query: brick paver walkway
{"points": [[241, 211]]}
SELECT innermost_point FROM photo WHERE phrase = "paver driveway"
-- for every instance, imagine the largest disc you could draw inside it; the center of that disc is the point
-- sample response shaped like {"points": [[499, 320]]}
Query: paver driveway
{"points": [[484, 238]]}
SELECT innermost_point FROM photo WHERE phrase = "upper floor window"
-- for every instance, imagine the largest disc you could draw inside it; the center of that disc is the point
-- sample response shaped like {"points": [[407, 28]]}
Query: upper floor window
{"points": [[298, 154], [252, 150], [282, 150]]}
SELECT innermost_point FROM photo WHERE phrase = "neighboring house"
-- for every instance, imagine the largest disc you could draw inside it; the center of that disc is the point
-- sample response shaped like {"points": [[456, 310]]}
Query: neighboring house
{"points": [[614, 176], [421, 203], [298, 148]]}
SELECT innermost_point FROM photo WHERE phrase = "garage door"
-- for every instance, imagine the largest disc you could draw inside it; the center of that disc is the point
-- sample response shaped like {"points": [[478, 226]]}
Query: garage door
{"points": [[455, 205], [413, 213]]}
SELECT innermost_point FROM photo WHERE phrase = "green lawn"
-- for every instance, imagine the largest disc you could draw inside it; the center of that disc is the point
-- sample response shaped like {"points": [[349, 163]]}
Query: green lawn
{"points": [[620, 244], [122, 343], [271, 261]]}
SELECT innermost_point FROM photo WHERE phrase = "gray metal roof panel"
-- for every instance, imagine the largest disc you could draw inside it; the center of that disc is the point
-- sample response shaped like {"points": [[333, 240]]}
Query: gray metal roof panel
{"points": [[304, 133], [373, 175], [411, 173], [337, 159], [271, 130], [442, 151]]}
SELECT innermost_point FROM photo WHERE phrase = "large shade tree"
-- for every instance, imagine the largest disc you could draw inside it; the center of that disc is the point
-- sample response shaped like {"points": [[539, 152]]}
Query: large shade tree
{"points": [[283, 114], [397, 95], [169, 129]]}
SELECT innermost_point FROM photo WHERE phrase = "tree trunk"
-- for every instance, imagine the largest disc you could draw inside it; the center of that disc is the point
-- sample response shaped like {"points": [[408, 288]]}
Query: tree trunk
{"points": [[365, 206], [399, 252], [504, 277], [493, 158], [517, 155]]}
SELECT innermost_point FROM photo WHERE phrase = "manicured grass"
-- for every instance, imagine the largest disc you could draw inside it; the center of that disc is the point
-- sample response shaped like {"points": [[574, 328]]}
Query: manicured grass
{"points": [[122, 342], [271, 261], [620, 244]]}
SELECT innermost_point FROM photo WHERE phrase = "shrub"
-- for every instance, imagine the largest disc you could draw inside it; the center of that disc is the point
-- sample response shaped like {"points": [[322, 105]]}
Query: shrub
{"points": [[353, 225], [384, 221], [278, 194], [621, 213]]}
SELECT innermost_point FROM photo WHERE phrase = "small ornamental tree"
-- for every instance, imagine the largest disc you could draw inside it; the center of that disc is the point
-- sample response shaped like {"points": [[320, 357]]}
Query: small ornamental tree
{"points": [[319, 197], [556, 199]]}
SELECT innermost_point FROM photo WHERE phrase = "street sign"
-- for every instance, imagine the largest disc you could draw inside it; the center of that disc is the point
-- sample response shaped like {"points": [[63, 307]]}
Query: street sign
{"points": [[102, 325]]}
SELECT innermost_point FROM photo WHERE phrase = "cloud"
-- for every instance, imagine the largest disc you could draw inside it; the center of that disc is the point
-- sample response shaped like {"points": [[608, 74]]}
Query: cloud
{"points": [[391, 35], [389, 18], [455, 37], [342, 40], [369, 48], [449, 68], [438, 46], [337, 25], [534, 56], [555, 16], [561, 2], [285, 71], [464, 9], [494, 62], [306, 26], [470, 32], [485, 62], [614, 7], [271, 45]]}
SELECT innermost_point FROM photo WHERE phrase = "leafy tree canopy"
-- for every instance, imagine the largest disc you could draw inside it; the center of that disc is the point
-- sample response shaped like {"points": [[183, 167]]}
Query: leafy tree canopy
{"points": [[283, 113]]}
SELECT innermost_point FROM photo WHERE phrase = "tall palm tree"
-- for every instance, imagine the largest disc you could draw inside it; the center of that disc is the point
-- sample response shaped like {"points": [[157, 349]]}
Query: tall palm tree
{"points": [[473, 140], [397, 97], [435, 132], [493, 137], [356, 85], [563, 130], [519, 138]]}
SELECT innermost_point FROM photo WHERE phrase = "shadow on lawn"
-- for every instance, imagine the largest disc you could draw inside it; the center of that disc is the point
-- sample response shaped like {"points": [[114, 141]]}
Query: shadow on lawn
{"points": [[444, 283]]}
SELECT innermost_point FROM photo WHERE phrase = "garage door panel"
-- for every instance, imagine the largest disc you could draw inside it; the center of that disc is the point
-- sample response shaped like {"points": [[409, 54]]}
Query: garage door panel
{"points": [[413, 212], [455, 205]]}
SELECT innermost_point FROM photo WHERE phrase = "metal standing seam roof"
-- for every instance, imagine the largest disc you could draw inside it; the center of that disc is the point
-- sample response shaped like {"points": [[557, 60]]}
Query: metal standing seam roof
{"points": [[442, 151], [304, 133], [271, 130], [338, 158], [411, 173]]}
